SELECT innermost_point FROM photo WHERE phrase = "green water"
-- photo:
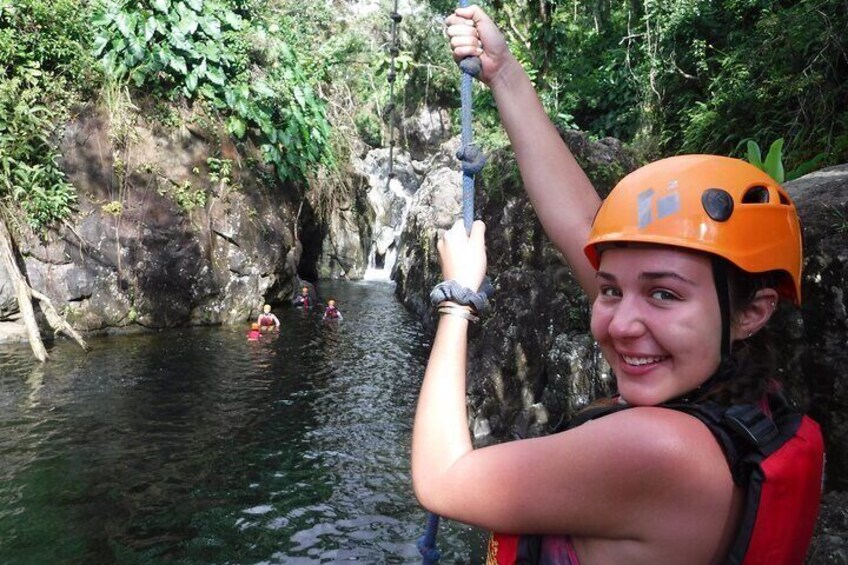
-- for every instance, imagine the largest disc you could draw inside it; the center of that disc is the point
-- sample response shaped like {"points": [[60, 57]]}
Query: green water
{"points": [[197, 446]]}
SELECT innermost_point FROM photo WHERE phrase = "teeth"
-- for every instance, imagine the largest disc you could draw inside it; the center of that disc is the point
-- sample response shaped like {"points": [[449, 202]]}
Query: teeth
{"points": [[641, 360]]}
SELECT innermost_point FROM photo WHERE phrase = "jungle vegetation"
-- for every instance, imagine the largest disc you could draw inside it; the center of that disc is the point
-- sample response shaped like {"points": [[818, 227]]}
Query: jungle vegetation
{"points": [[308, 87]]}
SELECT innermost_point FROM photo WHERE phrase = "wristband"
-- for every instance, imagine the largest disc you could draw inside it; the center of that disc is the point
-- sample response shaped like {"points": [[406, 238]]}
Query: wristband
{"points": [[452, 291]]}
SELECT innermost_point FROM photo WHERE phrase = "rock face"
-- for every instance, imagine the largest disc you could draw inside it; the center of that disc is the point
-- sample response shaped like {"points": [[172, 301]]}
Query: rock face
{"points": [[162, 238], [533, 362], [814, 341]]}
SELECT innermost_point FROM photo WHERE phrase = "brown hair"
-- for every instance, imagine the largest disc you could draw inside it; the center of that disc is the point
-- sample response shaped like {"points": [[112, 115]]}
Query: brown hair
{"points": [[754, 359]]}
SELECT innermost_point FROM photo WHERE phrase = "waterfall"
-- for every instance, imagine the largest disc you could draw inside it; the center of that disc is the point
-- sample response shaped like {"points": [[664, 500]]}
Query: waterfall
{"points": [[391, 203]]}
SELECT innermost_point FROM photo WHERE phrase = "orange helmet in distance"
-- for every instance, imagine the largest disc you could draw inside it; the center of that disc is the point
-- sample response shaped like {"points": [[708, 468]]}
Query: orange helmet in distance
{"points": [[718, 205]]}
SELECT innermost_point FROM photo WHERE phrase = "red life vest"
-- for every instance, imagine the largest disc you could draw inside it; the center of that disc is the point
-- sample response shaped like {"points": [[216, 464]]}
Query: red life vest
{"points": [[777, 459], [331, 313]]}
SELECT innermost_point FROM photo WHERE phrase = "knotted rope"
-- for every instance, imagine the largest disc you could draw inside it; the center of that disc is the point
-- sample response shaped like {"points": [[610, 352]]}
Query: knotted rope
{"points": [[472, 158], [394, 51], [472, 163]]}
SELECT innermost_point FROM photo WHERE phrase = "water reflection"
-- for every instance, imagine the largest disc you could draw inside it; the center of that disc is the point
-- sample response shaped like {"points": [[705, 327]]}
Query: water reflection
{"points": [[197, 446]]}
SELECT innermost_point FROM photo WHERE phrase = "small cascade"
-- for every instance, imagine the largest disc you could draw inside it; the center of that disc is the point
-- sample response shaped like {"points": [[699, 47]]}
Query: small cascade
{"points": [[392, 206]]}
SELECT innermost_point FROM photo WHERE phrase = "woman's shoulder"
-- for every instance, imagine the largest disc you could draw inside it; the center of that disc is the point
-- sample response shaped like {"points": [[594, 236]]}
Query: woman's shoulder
{"points": [[674, 444]]}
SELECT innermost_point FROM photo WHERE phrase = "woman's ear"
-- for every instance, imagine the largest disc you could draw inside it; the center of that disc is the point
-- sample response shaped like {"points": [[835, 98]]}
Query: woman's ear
{"points": [[755, 315]]}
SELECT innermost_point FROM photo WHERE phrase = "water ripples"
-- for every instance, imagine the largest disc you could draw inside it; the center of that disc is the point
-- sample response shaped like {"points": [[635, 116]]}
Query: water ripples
{"points": [[196, 446]]}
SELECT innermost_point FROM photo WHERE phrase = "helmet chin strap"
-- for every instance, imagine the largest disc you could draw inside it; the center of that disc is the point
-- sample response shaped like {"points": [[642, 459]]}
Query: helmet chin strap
{"points": [[720, 276]]}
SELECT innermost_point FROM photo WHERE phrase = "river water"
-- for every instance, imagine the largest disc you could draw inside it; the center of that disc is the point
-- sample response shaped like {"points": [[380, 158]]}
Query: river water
{"points": [[196, 446]]}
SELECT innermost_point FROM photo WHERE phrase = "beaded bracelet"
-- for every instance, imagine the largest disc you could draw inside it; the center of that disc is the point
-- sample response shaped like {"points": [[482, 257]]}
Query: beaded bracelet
{"points": [[460, 312]]}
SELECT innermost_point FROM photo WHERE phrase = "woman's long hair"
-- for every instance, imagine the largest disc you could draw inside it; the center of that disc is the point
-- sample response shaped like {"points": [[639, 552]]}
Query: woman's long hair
{"points": [[753, 360]]}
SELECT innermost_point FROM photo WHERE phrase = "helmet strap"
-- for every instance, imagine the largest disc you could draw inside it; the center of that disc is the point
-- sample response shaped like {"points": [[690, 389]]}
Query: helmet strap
{"points": [[720, 275]]}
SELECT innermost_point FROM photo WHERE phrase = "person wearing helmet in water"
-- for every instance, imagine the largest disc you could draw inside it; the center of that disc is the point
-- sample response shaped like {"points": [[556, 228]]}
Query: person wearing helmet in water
{"points": [[304, 299], [331, 312], [255, 334], [684, 263], [268, 321]]}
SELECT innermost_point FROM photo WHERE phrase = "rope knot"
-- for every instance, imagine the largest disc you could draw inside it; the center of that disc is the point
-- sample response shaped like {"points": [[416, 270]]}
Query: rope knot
{"points": [[471, 66], [472, 159]]}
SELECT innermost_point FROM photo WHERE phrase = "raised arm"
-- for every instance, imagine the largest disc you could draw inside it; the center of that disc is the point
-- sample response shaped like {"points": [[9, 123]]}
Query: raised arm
{"points": [[562, 195]]}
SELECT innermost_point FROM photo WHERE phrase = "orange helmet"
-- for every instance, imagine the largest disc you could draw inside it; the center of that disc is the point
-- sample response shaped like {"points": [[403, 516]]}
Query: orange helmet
{"points": [[707, 203]]}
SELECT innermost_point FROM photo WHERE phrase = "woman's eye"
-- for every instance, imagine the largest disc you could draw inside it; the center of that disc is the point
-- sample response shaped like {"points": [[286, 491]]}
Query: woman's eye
{"points": [[664, 295], [609, 291]]}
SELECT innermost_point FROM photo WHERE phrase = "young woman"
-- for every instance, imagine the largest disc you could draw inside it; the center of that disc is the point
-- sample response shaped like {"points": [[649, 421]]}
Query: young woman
{"points": [[684, 262]]}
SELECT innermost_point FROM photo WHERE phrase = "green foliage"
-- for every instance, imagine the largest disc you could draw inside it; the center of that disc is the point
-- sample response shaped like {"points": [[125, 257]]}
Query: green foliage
{"points": [[690, 75], [773, 163], [186, 195], [43, 67], [52, 34], [368, 128], [220, 170], [29, 175], [205, 50], [113, 208], [720, 72]]}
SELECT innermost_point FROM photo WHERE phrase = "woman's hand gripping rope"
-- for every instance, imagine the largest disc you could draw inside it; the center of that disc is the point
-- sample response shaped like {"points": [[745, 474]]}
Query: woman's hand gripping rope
{"points": [[463, 257]]}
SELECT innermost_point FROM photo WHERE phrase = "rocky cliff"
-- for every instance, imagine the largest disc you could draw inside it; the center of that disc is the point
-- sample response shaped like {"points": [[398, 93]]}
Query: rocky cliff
{"points": [[174, 226]]}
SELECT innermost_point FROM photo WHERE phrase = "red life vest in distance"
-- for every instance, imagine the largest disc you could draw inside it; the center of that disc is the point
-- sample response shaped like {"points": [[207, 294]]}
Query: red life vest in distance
{"points": [[778, 459]]}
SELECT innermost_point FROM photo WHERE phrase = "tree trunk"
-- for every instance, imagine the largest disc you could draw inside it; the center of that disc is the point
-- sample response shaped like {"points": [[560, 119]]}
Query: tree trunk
{"points": [[57, 321], [22, 292]]}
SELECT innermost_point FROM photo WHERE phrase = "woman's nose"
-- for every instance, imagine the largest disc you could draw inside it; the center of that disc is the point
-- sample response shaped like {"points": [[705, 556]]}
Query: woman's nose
{"points": [[627, 321]]}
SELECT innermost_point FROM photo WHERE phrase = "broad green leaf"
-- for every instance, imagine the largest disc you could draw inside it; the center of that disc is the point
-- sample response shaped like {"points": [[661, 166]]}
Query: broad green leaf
{"points": [[196, 5], [178, 40], [261, 88], [191, 81], [236, 126], [125, 24], [201, 69], [754, 154], [163, 56], [188, 24], [774, 161], [102, 20], [216, 75], [230, 97], [211, 26], [149, 28], [100, 42], [162, 5], [179, 64], [234, 20]]}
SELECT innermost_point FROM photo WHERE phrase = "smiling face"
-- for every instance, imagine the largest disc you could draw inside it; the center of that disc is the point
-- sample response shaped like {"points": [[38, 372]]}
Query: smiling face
{"points": [[657, 321]]}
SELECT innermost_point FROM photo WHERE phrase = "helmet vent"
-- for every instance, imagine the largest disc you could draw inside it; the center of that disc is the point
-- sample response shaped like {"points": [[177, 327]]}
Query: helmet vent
{"points": [[783, 198], [756, 195], [717, 203]]}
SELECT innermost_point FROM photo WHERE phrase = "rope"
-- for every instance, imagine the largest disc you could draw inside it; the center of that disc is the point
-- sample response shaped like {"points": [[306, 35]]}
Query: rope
{"points": [[473, 161], [471, 157], [394, 51]]}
